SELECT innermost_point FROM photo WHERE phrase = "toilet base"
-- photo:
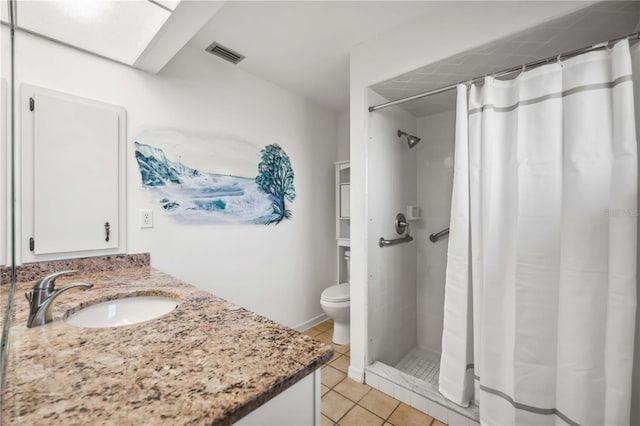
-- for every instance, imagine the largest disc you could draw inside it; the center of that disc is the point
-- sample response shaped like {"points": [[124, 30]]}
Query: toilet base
{"points": [[341, 333]]}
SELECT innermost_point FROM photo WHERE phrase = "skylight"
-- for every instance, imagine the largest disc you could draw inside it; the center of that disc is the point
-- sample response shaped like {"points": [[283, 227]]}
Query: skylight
{"points": [[169, 4], [120, 30]]}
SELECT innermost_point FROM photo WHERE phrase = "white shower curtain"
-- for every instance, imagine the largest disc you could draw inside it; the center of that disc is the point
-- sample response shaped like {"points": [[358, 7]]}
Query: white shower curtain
{"points": [[541, 277]]}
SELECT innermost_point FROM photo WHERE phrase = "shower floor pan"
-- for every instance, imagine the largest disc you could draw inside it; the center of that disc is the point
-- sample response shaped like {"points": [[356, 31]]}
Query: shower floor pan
{"points": [[421, 364], [414, 381]]}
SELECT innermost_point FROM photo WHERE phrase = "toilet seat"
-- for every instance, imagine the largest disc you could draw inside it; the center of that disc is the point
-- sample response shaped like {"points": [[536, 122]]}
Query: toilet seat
{"points": [[336, 293]]}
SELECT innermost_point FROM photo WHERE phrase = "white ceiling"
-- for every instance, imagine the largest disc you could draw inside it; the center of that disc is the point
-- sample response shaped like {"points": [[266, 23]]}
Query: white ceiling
{"points": [[304, 46], [592, 25]]}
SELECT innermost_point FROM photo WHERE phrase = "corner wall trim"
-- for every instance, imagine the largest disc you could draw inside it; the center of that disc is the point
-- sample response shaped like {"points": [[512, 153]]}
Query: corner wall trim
{"points": [[356, 374]]}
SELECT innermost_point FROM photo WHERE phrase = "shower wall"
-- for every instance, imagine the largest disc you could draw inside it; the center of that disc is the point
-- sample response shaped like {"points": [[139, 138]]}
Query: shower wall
{"points": [[435, 183], [391, 186]]}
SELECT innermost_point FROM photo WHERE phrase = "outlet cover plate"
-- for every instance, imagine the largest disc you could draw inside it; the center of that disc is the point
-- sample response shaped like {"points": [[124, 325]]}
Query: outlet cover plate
{"points": [[146, 218]]}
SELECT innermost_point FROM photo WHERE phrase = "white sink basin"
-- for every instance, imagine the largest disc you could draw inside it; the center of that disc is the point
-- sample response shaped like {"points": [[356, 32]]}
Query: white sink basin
{"points": [[125, 311]]}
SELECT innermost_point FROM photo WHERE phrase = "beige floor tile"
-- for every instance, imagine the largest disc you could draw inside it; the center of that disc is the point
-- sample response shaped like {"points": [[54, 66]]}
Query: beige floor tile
{"points": [[324, 338], [335, 405], [326, 421], [405, 415], [312, 332], [325, 389], [352, 389], [343, 349], [324, 326], [341, 363], [335, 356], [331, 376], [437, 423], [379, 403], [358, 416]]}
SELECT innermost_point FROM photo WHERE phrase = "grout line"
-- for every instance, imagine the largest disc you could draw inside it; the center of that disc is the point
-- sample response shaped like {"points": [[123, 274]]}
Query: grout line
{"points": [[394, 410], [365, 394], [333, 388], [366, 409], [348, 411]]}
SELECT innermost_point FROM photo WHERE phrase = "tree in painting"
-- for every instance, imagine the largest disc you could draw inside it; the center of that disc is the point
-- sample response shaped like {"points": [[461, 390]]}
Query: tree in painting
{"points": [[275, 177]]}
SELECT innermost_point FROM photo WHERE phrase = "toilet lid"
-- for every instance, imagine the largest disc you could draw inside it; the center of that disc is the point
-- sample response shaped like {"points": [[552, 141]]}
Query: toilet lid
{"points": [[337, 293]]}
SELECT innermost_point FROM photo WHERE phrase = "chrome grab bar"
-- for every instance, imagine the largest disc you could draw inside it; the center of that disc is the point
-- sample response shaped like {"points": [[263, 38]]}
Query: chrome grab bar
{"points": [[385, 243], [437, 235]]}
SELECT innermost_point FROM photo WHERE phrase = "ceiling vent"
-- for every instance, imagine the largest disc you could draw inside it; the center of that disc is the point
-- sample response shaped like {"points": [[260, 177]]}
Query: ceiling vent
{"points": [[224, 53]]}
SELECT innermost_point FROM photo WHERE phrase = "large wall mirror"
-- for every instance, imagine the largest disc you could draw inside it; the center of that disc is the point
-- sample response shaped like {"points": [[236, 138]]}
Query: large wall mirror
{"points": [[71, 25], [139, 74], [6, 137]]}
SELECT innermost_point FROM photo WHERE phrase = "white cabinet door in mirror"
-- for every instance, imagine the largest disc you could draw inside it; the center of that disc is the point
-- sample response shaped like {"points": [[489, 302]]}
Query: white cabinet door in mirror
{"points": [[76, 176], [75, 167]]}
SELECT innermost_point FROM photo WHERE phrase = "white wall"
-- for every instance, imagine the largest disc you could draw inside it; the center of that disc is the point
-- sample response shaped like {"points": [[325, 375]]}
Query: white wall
{"points": [[392, 274], [343, 135], [278, 271], [442, 33], [435, 184]]}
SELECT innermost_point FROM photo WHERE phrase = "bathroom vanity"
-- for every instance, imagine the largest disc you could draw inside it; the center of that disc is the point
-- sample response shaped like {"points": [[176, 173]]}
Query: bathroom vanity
{"points": [[206, 362]]}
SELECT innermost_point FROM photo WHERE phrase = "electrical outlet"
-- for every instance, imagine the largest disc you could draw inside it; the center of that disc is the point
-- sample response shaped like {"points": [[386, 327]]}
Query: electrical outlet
{"points": [[146, 218]]}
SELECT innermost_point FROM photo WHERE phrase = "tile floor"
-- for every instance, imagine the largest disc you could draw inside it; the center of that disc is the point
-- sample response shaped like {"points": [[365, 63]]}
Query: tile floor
{"points": [[346, 402]]}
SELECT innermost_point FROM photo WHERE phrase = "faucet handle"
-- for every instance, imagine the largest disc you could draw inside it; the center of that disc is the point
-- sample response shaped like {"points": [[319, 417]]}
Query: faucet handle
{"points": [[48, 282]]}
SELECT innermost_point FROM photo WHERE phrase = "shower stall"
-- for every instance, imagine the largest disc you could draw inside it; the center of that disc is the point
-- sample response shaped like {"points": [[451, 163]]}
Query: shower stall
{"points": [[406, 281], [409, 169]]}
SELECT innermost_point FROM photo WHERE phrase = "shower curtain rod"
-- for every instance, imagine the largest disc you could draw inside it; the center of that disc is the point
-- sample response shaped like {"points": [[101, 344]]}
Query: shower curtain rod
{"points": [[633, 36]]}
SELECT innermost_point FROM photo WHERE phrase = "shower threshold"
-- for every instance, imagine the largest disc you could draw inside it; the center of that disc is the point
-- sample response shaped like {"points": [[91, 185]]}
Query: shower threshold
{"points": [[414, 381]]}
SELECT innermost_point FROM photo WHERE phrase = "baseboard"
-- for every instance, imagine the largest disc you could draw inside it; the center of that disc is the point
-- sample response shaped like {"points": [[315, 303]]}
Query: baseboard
{"points": [[356, 374], [312, 322]]}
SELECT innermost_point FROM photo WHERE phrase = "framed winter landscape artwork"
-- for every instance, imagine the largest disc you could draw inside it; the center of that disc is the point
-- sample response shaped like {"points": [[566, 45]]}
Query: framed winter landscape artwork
{"points": [[215, 179]]}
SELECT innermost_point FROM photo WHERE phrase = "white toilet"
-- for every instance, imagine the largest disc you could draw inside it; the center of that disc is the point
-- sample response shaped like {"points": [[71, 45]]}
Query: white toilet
{"points": [[336, 303]]}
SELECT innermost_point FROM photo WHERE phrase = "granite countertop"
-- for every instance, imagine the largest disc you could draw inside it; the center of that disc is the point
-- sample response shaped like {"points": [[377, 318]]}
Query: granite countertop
{"points": [[207, 362]]}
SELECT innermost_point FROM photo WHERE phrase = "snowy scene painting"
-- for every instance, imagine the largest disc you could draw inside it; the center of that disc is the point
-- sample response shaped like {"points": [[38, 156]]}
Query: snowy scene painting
{"points": [[227, 180]]}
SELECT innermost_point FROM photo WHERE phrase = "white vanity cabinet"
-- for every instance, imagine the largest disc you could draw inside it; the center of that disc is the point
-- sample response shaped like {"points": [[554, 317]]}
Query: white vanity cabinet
{"points": [[73, 176], [297, 406]]}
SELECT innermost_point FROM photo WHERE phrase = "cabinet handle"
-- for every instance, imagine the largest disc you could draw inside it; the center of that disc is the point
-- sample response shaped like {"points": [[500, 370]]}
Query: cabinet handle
{"points": [[107, 230]]}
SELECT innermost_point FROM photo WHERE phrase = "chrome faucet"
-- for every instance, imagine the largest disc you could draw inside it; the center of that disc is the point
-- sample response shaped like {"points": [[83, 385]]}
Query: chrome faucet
{"points": [[44, 294]]}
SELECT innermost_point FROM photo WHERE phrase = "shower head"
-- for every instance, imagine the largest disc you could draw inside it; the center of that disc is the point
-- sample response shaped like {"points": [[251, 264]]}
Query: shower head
{"points": [[411, 140]]}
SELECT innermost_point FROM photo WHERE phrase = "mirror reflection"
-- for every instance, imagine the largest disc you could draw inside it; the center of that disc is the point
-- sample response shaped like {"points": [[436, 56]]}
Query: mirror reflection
{"points": [[152, 164], [6, 253]]}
